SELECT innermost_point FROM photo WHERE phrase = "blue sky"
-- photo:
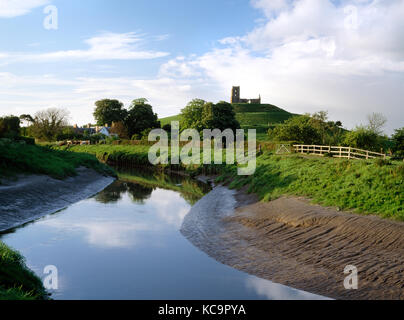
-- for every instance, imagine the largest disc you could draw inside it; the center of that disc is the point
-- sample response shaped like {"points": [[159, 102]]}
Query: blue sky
{"points": [[303, 55]]}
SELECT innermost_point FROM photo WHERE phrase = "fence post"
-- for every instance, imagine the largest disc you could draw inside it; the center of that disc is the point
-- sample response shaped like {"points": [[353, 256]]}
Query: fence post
{"points": [[349, 153], [367, 155]]}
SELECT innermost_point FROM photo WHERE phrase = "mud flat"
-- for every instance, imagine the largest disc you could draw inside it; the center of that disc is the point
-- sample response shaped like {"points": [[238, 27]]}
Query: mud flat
{"points": [[33, 196], [295, 243]]}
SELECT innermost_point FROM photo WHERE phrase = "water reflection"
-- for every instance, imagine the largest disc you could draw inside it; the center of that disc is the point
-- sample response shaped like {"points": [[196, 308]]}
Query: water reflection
{"points": [[142, 183], [125, 243], [134, 214], [275, 291], [113, 193]]}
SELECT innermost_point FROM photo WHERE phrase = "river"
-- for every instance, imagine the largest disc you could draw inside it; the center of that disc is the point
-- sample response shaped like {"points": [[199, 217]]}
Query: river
{"points": [[125, 243]]}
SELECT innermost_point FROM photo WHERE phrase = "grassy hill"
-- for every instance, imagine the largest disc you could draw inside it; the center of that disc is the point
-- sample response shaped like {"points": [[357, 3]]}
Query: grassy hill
{"points": [[252, 116], [168, 120]]}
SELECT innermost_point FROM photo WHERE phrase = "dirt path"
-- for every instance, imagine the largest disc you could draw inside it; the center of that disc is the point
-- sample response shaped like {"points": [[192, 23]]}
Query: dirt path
{"points": [[33, 196], [304, 246]]}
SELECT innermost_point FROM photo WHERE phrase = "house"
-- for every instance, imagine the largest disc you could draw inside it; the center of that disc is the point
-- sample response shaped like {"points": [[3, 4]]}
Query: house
{"points": [[104, 131]]}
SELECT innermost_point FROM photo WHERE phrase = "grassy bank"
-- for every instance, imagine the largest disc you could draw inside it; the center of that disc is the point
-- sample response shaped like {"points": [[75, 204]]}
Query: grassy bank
{"points": [[17, 282], [17, 158], [137, 155], [374, 187]]}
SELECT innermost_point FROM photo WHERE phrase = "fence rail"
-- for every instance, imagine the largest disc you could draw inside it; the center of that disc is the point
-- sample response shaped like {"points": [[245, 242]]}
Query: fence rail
{"points": [[339, 152]]}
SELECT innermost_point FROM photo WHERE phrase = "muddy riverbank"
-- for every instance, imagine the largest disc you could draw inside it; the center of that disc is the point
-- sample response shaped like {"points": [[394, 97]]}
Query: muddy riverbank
{"points": [[33, 196], [295, 243]]}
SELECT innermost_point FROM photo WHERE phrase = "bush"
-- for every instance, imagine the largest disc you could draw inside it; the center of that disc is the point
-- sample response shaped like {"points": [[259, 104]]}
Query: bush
{"points": [[27, 140], [9, 127], [382, 162], [398, 142], [296, 129], [363, 138]]}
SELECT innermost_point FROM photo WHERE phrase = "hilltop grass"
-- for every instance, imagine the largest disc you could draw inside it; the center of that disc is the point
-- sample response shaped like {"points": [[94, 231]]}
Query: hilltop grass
{"points": [[251, 116], [167, 120], [22, 158], [17, 282], [369, 187]]}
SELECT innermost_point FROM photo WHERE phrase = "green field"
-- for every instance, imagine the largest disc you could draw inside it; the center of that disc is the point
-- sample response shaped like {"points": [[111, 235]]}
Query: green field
{"points": [[168, 120], [252, 116]]}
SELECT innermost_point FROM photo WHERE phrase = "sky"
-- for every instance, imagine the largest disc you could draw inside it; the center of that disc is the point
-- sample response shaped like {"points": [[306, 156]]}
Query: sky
{"points": [[344, 56]]}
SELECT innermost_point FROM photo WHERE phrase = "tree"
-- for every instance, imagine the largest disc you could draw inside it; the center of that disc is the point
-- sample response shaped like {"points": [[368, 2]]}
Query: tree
{"points": [[219, 116], [27, 117], [49, 123], [319, 122], [120, 129], [140, 101], [199, 115], [376, 123], [192, 114], [108, 111], [398, 140], [9, 127], [140, 117], [298, 129], [363, 138]]}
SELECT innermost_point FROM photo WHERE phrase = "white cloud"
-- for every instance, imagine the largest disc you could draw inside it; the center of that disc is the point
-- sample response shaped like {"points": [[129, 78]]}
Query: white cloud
{"points": [[28, 94], [307, 57], [271, 7], [14, 8], [106, 46]]}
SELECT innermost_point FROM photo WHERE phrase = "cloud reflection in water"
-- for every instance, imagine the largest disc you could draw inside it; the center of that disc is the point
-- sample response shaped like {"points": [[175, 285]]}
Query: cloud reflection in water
{"points": [[275, 291]]}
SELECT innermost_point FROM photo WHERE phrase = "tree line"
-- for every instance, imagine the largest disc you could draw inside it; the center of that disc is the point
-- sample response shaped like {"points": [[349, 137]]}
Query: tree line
{"points": [[136, 121], [317, 129]]}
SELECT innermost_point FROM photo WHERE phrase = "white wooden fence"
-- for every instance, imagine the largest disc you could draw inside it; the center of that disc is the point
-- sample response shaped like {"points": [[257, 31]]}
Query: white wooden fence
{"points": [[339, 152]]}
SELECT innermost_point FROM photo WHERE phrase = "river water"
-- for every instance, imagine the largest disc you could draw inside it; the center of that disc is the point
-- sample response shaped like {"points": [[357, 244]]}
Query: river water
{"points": [[125, 243]]}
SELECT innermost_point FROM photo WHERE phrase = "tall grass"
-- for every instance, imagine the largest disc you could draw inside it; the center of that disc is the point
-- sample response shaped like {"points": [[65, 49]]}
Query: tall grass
{"points": [[17, 282]]}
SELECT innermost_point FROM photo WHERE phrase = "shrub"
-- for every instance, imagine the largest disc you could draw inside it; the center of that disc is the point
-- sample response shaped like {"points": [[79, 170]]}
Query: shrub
{"points": [[398, 141], [27, 140], [382, 162], [363, 138], [9, 127]]}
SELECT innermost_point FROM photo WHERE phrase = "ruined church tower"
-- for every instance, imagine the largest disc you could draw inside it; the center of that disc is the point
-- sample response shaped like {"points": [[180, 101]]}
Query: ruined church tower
{"points": [[235, 95]]}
